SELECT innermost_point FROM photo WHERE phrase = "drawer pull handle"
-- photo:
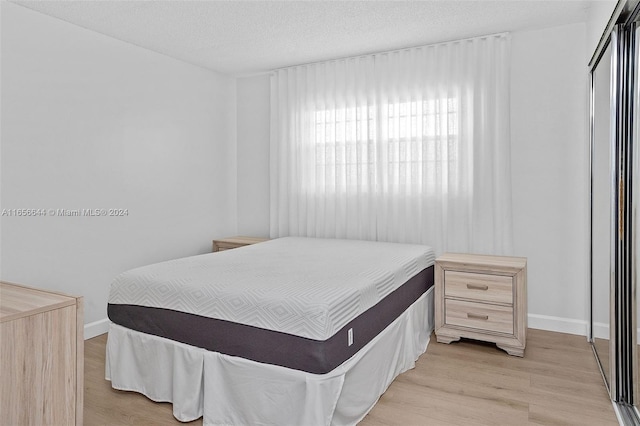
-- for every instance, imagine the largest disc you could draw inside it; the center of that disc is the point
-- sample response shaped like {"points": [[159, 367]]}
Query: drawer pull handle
{"points": [[476, 316], [477, 287]]}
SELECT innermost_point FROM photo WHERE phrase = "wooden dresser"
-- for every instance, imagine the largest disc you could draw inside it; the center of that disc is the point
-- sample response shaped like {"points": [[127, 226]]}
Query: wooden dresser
{"points": [[483, 298], [235, 242], [41, 357]]}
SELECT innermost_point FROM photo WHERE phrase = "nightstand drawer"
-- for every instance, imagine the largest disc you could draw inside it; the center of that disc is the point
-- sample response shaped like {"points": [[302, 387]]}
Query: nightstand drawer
{"points": [[481, 287], [479, 316]]}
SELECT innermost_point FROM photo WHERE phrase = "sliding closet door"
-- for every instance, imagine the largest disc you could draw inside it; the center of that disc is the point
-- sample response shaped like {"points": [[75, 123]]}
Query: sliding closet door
{"points": [[602, 184], [615, 209], [635, 210]]}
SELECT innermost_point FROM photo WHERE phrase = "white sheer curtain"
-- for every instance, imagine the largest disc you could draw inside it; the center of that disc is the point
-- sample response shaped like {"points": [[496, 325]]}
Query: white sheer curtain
{"points": [[403, 146]]}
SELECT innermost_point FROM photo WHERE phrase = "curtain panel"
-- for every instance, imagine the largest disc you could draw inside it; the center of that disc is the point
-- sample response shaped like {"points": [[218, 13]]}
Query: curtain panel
{"points": [[408, 146]]}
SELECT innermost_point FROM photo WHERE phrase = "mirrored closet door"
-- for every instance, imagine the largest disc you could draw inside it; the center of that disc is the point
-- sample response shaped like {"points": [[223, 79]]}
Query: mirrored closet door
{"points": [[635, 214], [602, 191], [615, 202]]}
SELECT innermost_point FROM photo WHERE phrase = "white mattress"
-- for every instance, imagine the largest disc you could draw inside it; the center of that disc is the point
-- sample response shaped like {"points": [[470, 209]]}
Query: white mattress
{"points": [[300, 286]]}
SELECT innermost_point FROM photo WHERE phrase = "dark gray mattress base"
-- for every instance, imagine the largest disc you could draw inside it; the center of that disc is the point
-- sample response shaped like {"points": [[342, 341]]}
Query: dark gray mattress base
{"points": [[272, 347]]}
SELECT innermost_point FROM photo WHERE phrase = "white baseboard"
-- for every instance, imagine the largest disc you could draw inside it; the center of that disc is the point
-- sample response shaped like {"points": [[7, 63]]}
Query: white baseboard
{"points": [[570, 326], [600, 330], [557, 324], [96, 328]]}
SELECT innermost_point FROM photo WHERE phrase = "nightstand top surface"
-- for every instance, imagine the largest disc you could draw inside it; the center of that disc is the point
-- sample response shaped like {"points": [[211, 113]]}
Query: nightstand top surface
{"points": [[241, 240], [510, 262]]}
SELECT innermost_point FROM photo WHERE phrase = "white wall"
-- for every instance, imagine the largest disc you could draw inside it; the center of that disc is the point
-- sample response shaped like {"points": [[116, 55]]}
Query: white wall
{"points": [[92, 122], [550, 172], [253, 98], [549, 166]]}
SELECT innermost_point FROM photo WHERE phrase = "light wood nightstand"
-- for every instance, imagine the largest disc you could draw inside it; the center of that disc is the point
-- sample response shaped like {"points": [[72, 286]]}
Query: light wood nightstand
{"points": [[235, 242], [483, 298]]}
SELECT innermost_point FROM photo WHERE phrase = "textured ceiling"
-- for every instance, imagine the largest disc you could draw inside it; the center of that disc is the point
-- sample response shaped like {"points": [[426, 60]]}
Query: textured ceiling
{"points": [[244, 37]]}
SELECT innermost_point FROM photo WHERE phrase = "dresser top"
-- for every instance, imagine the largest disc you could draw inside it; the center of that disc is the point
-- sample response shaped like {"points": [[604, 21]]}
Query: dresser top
{"points": [[17, 301]]}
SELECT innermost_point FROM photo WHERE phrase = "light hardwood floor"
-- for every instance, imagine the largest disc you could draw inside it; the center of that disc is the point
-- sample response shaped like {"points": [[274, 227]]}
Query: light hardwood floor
{"points": [[464, 383]]}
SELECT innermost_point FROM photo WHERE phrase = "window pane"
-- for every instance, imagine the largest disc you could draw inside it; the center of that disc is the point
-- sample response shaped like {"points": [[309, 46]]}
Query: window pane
{"points": [[421, 139]]}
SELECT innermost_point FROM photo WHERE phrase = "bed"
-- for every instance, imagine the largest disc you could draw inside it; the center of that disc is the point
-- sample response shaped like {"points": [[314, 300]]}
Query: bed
{"points": [[298, 331]]}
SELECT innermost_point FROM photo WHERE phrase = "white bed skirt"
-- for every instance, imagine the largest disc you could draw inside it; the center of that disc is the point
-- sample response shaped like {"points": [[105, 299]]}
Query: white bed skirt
{"points": [[227, 390]]}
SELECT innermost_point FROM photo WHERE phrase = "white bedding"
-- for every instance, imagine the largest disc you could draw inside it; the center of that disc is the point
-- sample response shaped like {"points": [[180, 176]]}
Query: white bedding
{"points": [[300, 286]]}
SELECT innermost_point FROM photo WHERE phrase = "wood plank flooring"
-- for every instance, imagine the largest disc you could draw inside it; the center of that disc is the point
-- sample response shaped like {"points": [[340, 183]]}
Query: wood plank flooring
{"points": [[464, 383]]}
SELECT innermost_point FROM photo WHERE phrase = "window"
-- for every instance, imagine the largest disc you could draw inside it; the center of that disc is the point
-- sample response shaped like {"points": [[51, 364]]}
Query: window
{"points": [[409, 143], [344, 140]]}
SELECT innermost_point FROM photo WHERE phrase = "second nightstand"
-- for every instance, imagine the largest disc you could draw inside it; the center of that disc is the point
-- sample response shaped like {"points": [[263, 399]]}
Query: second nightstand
{"points": [[483, 298], [235, 242]]}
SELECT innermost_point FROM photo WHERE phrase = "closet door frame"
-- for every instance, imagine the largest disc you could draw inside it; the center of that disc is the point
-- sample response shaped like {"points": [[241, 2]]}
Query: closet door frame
{"points": [[611, 39], [635, 203], [630, 391]]}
